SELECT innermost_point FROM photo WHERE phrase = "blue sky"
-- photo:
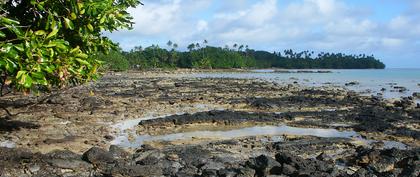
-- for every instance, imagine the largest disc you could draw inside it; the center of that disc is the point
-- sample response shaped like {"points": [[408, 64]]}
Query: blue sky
{"points": [[388, 29]]}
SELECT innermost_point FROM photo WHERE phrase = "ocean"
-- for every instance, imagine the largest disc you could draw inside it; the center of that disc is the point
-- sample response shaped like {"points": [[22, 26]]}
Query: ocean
{"points": [[388, 83]]}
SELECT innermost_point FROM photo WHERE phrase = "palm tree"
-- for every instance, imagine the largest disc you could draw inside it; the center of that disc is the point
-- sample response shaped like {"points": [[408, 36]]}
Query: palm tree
{"points": [[235, 45], [175, 46], [191, 47], [205, 46], [241, 47], [137, 49], [226, 47], [247, 50], [169, 43]]}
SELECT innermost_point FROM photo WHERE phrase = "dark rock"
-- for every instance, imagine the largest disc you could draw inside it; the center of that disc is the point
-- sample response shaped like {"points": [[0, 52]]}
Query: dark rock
{"points": [[221, 117], [404, 103], [362, 173], [263, 165], [63, 154], [245, 172], [93, 102], [288, 169], [62, 140], [213, 166], [323, 157], [416, 95], [382, 166], [97, 155], [353, 83], [177, 84], [118, 153], [149, 160], [187, 171], [195, 156], [209, 173], [69, 164], [109, 137], [400, 89], [136, 170]]}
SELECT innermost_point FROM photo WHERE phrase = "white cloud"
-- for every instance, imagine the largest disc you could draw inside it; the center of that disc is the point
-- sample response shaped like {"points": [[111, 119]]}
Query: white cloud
{"points": [[392, 42], [156, 18], [202, 26], [319, 25]]}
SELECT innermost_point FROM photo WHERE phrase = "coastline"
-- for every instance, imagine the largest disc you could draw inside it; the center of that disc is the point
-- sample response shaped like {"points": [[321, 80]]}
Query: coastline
{"points": [[83, 117]]}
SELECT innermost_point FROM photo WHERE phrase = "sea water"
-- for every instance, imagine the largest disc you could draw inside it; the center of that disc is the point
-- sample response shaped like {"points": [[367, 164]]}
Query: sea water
{"points": [[370, 81], [253, 131]]}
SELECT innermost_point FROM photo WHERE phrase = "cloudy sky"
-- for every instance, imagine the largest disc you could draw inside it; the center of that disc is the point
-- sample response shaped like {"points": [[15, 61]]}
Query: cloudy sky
{"points": [[388, 29]]}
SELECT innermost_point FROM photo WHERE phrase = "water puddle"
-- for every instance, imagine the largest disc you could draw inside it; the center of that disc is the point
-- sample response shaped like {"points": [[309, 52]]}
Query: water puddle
{"points": [[7, 144], [275, 131]]}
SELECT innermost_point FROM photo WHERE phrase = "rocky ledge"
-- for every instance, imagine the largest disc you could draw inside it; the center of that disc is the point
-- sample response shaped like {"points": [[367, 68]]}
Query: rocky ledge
{"points": [[293, 157], [70, 132]]}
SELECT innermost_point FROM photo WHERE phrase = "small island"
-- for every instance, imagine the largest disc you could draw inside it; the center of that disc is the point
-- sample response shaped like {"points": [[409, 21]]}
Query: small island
{"points": [[201, 56]]}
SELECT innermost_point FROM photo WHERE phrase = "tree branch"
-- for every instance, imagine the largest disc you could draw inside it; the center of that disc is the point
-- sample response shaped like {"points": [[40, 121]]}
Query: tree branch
{"points": [[2, 82]]}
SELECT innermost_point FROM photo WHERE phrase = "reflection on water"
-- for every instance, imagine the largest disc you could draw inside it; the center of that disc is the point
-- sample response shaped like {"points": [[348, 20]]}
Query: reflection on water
{"points": [[251, 131]]}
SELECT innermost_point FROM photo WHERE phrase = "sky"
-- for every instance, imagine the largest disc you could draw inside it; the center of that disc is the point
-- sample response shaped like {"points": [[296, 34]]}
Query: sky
{"points": [[387, 29]]}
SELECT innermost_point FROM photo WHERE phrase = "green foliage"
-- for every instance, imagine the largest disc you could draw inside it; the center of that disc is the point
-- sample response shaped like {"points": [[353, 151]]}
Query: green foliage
{"points": [[47, 43], [217, 57], [113, 61], [308, 60]]}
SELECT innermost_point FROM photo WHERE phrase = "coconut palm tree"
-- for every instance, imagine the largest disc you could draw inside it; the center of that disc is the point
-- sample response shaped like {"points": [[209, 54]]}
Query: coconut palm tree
{"points": [[174, 46], [169, 43], [241, 47], [235, 45], [191, 47]]}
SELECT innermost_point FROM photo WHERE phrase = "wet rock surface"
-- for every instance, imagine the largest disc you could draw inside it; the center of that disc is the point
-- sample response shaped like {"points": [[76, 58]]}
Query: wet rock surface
{"points": [[219, 159], [69, 132]]}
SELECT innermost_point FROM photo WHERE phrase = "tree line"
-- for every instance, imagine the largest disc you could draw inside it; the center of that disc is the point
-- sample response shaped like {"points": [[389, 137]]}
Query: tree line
{"points": [[201, 55]]}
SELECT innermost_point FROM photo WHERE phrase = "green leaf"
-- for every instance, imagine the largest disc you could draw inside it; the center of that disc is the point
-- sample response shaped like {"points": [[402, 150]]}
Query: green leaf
{"points": [[40, 7], [40, 32], [13, 54], [38, 75], [20, 74], [2, 35], [42, 82], [90, 27], [15, 29], [102, 20], [51, 53], [68, 23], [9, 21], [53, 33], [74, 50], [73, 16], [47, 25], [82, 55], [83, 62], [80, 5], [48, 69], [10, 66], [2, 63], [26, 81], [19, 47]]}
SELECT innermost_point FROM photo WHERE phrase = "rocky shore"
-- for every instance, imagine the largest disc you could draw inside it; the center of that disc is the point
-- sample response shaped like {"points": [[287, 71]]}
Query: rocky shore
{"points": [[77, 131]]}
